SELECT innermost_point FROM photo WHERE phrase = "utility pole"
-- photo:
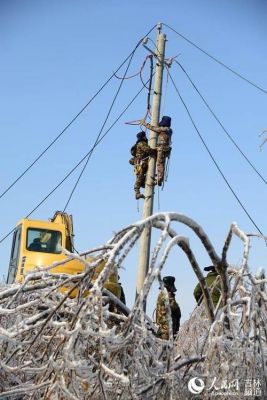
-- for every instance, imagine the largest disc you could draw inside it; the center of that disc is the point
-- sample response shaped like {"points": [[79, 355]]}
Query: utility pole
{"points": [[144, 252]]}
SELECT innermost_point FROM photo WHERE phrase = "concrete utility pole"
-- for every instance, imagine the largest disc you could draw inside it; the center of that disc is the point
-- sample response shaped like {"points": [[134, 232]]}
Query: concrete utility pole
{"points": [[144, 251]]}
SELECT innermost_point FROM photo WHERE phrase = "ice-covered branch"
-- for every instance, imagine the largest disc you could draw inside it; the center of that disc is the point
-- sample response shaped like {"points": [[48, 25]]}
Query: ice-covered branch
{"points": [[53, 345]]}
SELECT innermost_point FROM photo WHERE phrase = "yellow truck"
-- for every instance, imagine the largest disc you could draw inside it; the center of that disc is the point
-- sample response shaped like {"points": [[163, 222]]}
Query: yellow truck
{"points": [[39, 243]]}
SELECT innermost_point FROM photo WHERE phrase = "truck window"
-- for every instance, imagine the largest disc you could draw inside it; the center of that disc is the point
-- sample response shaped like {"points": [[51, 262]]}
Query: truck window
{"points": [[43, 240], [14, 257]]}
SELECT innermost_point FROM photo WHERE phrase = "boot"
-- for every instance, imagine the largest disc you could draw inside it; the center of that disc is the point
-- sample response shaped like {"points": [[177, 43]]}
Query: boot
{"points": [[139, 196], [154, 180]]}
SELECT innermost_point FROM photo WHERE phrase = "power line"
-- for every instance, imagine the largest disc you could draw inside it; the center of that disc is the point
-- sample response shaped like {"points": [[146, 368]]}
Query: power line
{"points": [[102, 127], [216, 60], [79, 163], [222, 126], [71, 122], [213, 159]]}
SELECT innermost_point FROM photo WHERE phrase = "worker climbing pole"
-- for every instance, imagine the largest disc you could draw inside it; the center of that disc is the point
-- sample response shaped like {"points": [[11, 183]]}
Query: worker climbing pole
{"points": [[141, 152], [163, 145], [150, 175]]}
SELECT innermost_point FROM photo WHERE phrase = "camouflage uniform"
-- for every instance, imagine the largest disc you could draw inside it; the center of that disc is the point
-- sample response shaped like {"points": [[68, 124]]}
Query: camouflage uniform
{"points": [[164, 151], [161, 315], [215, 291], [141, 152], [163, 147]]}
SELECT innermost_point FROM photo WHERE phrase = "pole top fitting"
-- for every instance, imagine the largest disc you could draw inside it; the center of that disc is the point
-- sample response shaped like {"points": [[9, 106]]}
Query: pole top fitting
{"points": [[145, 40], [168, 62], [159, 26]]}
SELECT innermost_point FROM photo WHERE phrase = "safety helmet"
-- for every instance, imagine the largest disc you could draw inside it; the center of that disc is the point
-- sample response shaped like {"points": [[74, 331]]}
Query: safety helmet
{"points": [[210, 268], [165, 121], [141, 135], [168, 282]]}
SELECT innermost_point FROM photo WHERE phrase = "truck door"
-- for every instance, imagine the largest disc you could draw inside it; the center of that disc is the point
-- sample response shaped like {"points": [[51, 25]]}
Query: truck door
{"points": [[14, 257]]}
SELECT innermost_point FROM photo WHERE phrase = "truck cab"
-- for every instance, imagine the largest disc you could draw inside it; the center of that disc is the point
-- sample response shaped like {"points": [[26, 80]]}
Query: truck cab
{"points": [[38, 244]]}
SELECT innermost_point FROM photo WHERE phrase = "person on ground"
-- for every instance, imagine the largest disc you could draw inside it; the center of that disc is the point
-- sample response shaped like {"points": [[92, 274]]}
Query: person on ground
{"points": [[162, 310], [213, 283]]}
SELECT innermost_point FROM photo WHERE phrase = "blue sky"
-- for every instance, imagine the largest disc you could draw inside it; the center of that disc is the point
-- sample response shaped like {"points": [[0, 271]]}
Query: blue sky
{"points": [[56, 54]]}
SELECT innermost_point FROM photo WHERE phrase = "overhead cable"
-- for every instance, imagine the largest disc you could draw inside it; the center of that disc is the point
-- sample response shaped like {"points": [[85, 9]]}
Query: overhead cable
{"points": [[222, 126], [212, 157], [79, 163], [151, 67], [134, 75], [71, 122], [102, 127], [216, 60]]}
